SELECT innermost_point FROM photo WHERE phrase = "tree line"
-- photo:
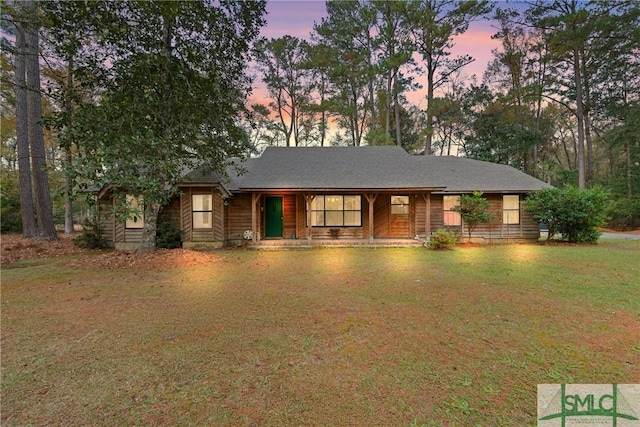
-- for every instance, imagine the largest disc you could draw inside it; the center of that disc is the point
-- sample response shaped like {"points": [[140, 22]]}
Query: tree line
{"points": [[559, 99], [134, 92]]}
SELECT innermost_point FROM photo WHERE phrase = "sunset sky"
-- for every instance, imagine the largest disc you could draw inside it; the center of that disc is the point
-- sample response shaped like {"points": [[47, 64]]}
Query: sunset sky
{"points": [[296, 18]]}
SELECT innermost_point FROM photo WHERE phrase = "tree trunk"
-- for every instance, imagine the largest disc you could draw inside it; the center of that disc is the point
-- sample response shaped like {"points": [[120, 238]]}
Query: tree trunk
{"points": [[580, 117], [68, 194], [429, 124], [629, 174], [68, 178], [589, 145], [29, 229], [396, 105], [387, 115], [46, 226], [149, 231]]}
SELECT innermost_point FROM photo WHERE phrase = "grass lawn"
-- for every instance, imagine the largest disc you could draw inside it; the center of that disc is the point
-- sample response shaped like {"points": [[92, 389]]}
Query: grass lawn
{"points": [[396, 337]]}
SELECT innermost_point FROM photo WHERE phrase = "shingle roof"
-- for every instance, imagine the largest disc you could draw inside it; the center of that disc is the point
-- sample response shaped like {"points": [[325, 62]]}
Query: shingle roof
{"points": [[378, 168], [236, 171], [337, 168], [467, 175]]}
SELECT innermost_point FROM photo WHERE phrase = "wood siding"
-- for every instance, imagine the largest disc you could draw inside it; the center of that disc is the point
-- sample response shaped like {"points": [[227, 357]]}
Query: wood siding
{"points": [[419, 209], [171, 212], [230, 222], [381, 212], [214, 234], [496, 230], [239, 212], [106, 220], [289, 214]]}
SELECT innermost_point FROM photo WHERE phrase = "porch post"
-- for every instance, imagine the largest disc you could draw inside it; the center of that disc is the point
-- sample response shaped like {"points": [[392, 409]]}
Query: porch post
{"points": [[308, 200], [255, 197], [371, 198]]}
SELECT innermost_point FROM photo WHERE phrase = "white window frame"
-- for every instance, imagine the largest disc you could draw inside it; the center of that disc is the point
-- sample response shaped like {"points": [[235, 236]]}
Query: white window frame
{"points": [[449, 217], [511, 215], [202, 210]]}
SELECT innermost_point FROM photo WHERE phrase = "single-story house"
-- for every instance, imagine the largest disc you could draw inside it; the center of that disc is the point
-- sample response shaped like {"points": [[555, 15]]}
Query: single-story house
{"points": [[329, 195]]}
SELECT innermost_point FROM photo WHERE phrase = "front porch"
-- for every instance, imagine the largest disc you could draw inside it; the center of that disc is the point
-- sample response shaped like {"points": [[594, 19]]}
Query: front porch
{"points": [[341, 218], [334, 243]]}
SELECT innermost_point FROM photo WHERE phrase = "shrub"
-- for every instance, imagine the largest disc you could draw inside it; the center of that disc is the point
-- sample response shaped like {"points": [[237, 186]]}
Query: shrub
{"points": [[443, 239], [575, 214], [624, 213], [91, 236], [10, 216], [473, 210], [168, 234]]}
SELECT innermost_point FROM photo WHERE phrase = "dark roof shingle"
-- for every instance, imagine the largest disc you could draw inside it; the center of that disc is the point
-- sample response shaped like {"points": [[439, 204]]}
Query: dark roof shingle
{"points": [[467, 175], [336, 168], [379, 168]]}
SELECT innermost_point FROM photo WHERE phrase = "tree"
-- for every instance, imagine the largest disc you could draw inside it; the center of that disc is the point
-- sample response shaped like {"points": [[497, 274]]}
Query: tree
{"points": [[173, 96], [30, 136], [434, 24], [319, 62], [281, 62], [395, 50], [347, 34], [568, 26], [29, 228], [67, 44], [520, 72], [574, 213], [501, 135], [473, 210]]}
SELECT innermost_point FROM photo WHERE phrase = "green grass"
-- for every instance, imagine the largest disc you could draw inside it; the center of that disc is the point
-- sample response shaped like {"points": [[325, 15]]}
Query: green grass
{"points": [[318, 337]]}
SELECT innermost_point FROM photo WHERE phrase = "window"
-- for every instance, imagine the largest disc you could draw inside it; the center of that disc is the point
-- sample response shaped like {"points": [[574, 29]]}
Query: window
{"points": [[202, 210], [399, 205], [136, 206], [511, 209], [336, 211], [451, 217]]}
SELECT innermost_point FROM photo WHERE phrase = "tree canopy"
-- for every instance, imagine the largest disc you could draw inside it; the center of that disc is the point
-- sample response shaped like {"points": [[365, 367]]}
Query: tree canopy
{"points": [[171, 96]]}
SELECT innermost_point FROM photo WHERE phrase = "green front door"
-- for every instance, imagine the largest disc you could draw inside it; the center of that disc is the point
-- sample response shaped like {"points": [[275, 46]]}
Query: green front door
{"points": [[273, 216]]}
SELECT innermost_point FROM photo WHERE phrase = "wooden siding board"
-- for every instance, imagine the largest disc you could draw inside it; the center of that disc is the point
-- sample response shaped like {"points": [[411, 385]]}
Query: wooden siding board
{"points": [[496, 230], [420, 207], [132, 235], [301, 217], [289, 214], [185, 205], [381, 209], [218, 217], [239, 216], [107, 220]]}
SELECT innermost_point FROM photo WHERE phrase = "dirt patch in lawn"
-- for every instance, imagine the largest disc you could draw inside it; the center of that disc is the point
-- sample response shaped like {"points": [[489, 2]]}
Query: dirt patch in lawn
{"points": [[16, 248], [160, 259]]}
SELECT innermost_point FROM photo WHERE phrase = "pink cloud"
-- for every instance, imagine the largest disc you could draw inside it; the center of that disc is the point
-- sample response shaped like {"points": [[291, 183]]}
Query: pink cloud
{"points": [[295, 17], [477, 42]]}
